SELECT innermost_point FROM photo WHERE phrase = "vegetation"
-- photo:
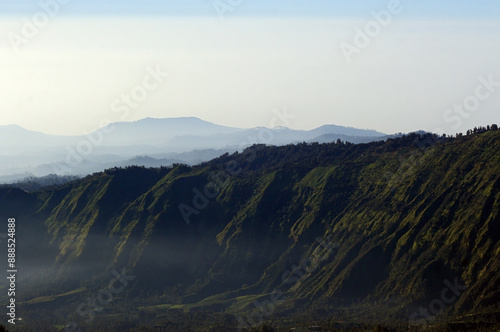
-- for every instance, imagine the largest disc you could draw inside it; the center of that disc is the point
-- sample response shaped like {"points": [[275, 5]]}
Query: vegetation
{"points": [[345, 236], [33, 183]]}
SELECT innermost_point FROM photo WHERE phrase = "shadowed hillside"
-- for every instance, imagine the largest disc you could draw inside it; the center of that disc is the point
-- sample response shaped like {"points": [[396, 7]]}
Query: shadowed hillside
{"points": [[338, 233]]}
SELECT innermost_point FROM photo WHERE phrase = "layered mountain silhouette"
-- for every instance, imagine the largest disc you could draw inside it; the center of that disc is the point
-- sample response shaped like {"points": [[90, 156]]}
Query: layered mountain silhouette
{"points": [[148, 142], [404, 231]]}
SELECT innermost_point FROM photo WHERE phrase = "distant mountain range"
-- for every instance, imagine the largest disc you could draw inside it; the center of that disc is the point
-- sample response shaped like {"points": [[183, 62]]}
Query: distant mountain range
{"points": [[148, 142]]}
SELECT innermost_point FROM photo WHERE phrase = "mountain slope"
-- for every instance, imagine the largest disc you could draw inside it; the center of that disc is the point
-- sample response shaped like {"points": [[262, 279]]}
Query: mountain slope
{"points": [[331, 229]]}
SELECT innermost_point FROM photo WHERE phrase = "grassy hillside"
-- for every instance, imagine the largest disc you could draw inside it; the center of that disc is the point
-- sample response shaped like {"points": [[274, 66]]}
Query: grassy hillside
{"points": [[368, 233]]}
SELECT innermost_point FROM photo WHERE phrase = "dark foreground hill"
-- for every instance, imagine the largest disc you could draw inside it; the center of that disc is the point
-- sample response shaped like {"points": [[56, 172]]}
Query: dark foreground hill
{"points": [[402, 232]]}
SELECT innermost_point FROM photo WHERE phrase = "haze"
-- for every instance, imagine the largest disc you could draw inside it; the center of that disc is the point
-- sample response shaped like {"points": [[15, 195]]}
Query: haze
{"points": [[234, 71]]}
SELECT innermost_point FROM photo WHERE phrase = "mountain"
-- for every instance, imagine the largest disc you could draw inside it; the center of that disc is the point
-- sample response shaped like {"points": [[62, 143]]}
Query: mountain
{"points": [[273, 136], [158, 132], [24, 151], [347, 131], [405, 231], [14, 135]]}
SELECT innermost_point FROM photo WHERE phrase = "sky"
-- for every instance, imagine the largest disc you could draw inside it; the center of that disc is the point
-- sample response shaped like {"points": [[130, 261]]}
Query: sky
{"points": [[69, 67]]}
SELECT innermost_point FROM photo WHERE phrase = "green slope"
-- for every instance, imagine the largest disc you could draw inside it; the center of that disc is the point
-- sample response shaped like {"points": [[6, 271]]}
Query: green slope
{"points": [[332, 228]]}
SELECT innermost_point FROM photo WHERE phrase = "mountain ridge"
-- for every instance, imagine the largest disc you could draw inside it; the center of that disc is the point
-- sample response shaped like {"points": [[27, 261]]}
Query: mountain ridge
{"points": [[25, 151], [237, 231], [193, 120]]}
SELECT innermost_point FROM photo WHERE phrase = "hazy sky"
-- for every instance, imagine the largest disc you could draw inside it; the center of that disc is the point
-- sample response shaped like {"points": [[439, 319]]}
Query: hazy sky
{"points": [[69, 66]]}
